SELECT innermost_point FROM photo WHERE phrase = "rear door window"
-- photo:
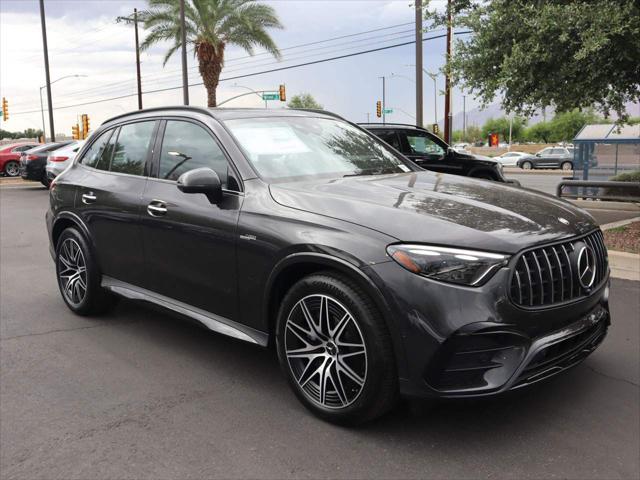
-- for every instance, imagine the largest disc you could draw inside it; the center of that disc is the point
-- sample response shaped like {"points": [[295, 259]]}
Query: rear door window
{"points": [[132, 148], [389, 137], [98, 155]]}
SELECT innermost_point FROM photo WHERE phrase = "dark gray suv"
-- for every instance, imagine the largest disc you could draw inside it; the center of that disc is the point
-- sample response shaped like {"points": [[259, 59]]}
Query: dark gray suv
{"points": [[371, 276]]}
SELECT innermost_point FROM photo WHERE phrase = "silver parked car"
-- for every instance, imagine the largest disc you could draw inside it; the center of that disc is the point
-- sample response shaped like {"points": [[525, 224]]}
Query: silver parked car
{"points": [[59, 159]]}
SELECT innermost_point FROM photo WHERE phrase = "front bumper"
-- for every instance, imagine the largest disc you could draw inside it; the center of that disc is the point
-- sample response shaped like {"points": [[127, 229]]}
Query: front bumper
{"points": [[463, 342]]}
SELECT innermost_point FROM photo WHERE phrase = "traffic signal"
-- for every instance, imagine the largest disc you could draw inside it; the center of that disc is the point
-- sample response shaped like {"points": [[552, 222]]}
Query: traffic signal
{"points": [[5, 109], [378, 109], [85, 126], [436, 129], [75, 132], [283, 94]]}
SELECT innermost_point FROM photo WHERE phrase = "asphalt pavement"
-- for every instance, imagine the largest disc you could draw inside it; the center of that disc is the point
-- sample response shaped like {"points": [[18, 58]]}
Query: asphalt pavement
{"points": [[141, 394]]}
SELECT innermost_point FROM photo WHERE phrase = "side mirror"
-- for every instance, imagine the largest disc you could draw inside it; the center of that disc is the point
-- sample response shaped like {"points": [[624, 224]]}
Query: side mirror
{"points": [[201, 180], [538, 154]]}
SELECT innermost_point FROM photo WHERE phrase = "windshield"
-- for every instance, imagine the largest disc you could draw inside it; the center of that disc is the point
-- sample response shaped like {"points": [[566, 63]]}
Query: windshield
{"points": [[297, 148]]}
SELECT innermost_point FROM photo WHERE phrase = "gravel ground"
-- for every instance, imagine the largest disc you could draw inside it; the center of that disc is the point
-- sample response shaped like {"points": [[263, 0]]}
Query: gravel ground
{"points": [[624, 239]]}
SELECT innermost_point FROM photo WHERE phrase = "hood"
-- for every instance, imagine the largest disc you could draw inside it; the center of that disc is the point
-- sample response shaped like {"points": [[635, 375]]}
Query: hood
{"points": [[440, 209]]}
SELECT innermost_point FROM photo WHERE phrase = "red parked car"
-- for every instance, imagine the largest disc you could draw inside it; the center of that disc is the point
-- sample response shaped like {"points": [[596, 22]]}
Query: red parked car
{"points": [[10, 157]]}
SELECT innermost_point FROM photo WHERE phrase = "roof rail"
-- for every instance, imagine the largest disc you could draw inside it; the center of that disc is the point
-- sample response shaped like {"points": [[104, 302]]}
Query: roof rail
{"points": [[319, 110], [391, 124], [156, 109]]}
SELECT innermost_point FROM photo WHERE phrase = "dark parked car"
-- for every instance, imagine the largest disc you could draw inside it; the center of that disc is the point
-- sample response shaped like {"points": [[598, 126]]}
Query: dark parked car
{"points": [[550, 157], [10, 157], [34, 161], [432, 153], [371, 276]]}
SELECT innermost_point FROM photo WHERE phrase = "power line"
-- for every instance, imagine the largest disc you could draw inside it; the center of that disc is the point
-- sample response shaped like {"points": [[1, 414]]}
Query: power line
{"points": [[314, 62]]}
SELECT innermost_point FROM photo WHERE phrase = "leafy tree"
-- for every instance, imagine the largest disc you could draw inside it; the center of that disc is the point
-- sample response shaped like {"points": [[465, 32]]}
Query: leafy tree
{"points": [[304, 100], [501, 127], [540, 132], [28, 133], [566, 54], [566, 125], [471, 135], [211, 25]]}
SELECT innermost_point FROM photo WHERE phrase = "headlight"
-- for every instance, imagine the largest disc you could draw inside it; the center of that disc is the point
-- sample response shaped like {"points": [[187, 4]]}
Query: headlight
{"points": [[464, 267]]}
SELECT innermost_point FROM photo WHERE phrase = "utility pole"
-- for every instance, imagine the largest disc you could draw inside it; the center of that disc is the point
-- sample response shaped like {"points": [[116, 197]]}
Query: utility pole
{"points": [[419, 76], [464, 118], [384, 102], [135, 25], [447, 93], [134, 20], [368, 117], [46, 70], [183, 33]]}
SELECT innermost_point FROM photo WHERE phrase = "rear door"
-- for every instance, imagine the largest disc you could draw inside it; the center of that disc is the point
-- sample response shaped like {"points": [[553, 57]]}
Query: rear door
{"points": [[190, 243], [109, 197]]}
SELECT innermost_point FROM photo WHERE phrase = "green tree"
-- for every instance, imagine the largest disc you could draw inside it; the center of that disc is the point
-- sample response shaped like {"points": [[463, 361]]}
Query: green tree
{"points": [[471, 135], [540, 132], [533, 54], [211, 25], [501, 127], [566, 125], [304, 100]]}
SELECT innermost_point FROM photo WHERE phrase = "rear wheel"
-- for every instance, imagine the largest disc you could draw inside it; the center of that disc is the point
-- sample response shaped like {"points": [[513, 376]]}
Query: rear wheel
{"points": [[78, 275], [11, 169], [335, 350], [566, 166], [527, 165]]}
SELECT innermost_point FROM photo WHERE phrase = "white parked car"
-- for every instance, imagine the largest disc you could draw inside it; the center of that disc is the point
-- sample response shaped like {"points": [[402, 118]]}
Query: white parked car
{"points": [[510, 159], [59, 159]]}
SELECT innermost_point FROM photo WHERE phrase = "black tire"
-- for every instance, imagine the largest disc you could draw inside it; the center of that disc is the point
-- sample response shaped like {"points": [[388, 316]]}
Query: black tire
{"points": [[357, 403], [526, 165], [95, 299], [566, 166], [12, 168]]}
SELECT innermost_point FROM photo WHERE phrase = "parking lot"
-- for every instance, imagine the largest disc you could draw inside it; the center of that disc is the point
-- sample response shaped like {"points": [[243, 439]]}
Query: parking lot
{"points": [[141, 394]]}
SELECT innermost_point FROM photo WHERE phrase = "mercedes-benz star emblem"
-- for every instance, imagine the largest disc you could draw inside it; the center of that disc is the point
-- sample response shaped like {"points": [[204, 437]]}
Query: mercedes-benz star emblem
{"points": [[586, 266]]}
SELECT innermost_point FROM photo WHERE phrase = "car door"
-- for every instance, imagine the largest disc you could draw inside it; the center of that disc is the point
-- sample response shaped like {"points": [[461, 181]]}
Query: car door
{"points": [[189, 242], [427, 152], [544, 158], [109, 197]]}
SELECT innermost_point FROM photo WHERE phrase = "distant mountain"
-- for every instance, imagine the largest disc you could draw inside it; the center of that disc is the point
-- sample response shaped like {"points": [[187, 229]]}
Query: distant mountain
{"points": [[478, 117]]}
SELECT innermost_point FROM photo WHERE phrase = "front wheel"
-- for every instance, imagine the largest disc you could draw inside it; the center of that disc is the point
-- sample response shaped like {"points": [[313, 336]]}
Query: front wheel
{"points": [[566, 166], [527, 165], [335, 349], [11, 169]]}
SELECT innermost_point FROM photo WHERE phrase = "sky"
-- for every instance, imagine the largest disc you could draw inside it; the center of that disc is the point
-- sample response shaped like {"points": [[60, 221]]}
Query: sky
{"points": [[85, 40]]}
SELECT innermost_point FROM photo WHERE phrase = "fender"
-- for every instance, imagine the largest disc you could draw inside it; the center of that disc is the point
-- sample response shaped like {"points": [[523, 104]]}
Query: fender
{"points": [[77, 221], [356, 274]]}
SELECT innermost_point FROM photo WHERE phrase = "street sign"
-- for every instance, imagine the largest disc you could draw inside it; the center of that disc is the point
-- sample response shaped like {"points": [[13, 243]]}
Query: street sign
{"points": [[271, 96], [388, 110]]}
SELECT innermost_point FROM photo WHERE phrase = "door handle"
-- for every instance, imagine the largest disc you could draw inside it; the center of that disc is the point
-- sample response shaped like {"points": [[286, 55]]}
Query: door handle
{"points": [[88, 198], [157, 208]]}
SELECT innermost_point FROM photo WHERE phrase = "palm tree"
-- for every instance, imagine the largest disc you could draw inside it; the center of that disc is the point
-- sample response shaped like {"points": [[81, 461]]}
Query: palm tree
{"points": [[211, 25]]}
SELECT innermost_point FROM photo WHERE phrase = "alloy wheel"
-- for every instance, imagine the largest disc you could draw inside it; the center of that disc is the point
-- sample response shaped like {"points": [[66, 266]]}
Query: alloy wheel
{"points": [[325, 351], [12, 169], [72, 271]]}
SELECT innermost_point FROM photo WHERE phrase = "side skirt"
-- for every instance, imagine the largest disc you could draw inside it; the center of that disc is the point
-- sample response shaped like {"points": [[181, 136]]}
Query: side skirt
{"points": [[210, 320]]}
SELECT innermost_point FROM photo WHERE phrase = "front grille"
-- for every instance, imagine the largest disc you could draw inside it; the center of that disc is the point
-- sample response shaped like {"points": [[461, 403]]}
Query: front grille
{"points": [[549, 275]]}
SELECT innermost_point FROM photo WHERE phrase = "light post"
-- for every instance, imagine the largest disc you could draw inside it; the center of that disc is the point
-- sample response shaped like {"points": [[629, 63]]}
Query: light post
{"points": [[433, 76], [251, 90], [42, 105]]}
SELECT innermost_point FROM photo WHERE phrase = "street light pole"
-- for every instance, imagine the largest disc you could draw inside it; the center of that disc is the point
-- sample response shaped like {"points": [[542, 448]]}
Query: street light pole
{"points": [[464, 118], [447, 89], [45, 49], [384, 117], [183, 33], [139, 80], [419, 89], [49, 91]]}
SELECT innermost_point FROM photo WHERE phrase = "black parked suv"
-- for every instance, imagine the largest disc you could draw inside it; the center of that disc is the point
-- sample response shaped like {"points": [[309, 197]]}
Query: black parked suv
{"points": [[432, 153], [371, 276], [33, 162]]}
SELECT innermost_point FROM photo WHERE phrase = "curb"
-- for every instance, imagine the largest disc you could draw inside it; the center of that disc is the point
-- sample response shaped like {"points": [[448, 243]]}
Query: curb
{"points": [[521, 171], [621, 223], [618, 206], [624, 265]]}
